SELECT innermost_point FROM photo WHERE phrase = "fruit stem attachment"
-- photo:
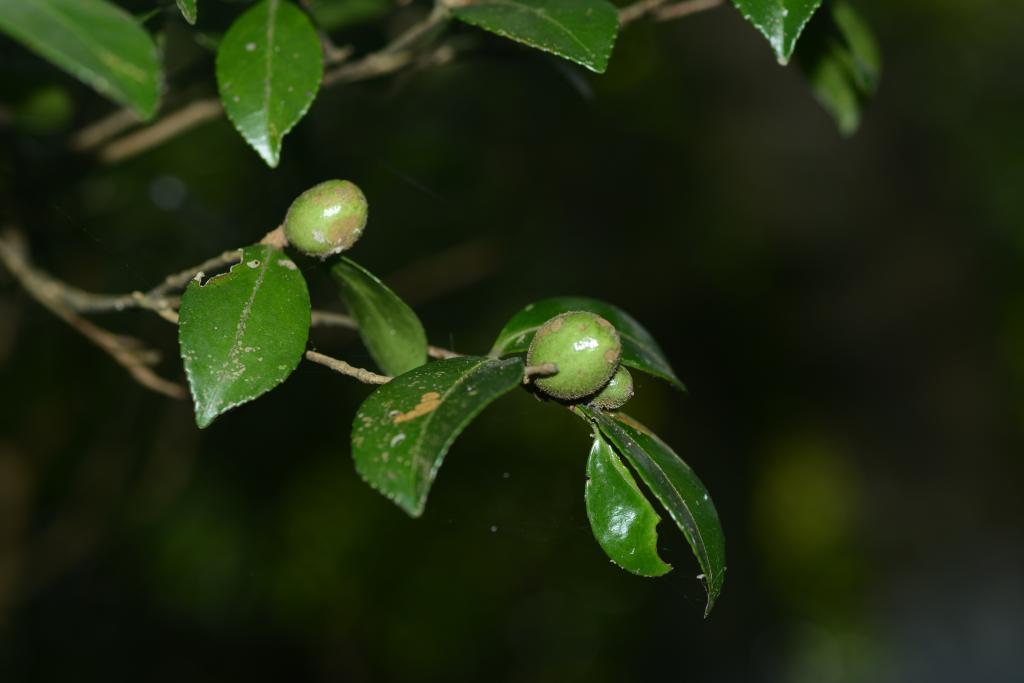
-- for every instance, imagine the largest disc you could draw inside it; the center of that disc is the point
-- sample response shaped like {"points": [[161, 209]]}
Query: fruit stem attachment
{"points": [[530, 371], [276, 238]]}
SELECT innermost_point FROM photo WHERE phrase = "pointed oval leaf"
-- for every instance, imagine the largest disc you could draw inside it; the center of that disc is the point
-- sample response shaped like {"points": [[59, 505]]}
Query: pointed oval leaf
{"points": [[242, 333], [389, 328], [780, 21], [403, 430], [676, 487], [97, 42], [639, 350], [582, 31], [188, 10], [623, 521], [269, 67]]}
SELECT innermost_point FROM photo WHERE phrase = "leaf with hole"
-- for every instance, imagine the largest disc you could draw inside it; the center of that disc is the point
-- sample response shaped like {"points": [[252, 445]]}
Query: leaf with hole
{"points": [[639, 350], [389, 328], [676, 487], [244, 332], [188, 10], [269, 67], [403, 430], [582, 31], [97, 42], [623, 521], [780, 21]]}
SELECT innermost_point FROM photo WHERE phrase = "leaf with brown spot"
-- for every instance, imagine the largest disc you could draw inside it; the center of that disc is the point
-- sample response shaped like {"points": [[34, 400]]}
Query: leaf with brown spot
{"points": [[403, 430]]}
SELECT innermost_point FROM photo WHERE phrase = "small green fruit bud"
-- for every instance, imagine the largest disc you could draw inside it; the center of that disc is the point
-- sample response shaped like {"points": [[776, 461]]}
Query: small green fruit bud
{"points": [[327, 218], [584, 346], [616, 393]]}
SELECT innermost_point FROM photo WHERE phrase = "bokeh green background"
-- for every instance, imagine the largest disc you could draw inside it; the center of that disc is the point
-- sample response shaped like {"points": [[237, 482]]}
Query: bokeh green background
{"points": [[847, 314]]}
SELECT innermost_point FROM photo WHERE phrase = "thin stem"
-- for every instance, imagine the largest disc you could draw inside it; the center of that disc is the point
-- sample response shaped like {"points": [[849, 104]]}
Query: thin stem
{"points": [[662, 10], [180, 279], [68, 302], [98, 132], [391, 58], [531, 371], [127, 351], [340, 366], [631, 13], [684, 9], [332, 319]]}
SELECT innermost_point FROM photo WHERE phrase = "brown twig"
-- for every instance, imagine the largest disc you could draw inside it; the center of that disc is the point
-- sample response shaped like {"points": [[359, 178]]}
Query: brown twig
{"points": [[95, 134], [361, 374], [186, 118], [393, 57], [684, 9], [661, 10], [128, 352], [332, 319], [67, 302], [531, 371], [631, 13], [180, 279]]}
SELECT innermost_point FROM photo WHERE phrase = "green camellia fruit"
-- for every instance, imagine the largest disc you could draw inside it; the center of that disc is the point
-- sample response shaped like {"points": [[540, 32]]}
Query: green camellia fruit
{"points": [[327, 218], [584, 346], [616, 393]]}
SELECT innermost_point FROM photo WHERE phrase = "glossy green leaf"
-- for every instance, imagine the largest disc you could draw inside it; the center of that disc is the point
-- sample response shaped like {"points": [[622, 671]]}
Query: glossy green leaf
{"points": [[94, 40], [676, 487], [781, 21], [582, 31], [841, 60], [188, 10], [242, 333], [403, 430], [269, 67], [623, 521], [389, 328], [639, 350]]}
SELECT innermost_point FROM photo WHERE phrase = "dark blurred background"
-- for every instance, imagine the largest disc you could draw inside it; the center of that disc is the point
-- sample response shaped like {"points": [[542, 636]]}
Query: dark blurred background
{"points": [[848, 315]]}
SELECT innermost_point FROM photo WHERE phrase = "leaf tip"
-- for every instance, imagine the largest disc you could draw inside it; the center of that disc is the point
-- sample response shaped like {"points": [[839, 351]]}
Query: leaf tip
{"points": [[270, 155], [205, 418]]}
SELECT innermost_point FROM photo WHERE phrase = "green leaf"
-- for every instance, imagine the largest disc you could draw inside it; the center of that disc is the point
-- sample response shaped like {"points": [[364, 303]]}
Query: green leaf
{"points": [[678, 489], [389, 328], [403, 430], [269, 67], [622, 519], [639, 350], [97, 42], [781, 21], [243, 332], [188, 10], [582, 31], [841, 60]]}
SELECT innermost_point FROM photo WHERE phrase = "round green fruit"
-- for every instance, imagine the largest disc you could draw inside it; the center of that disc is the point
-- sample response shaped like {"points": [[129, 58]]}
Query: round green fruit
{"points": [[616, 393], [327, 218], [584, 346]]}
